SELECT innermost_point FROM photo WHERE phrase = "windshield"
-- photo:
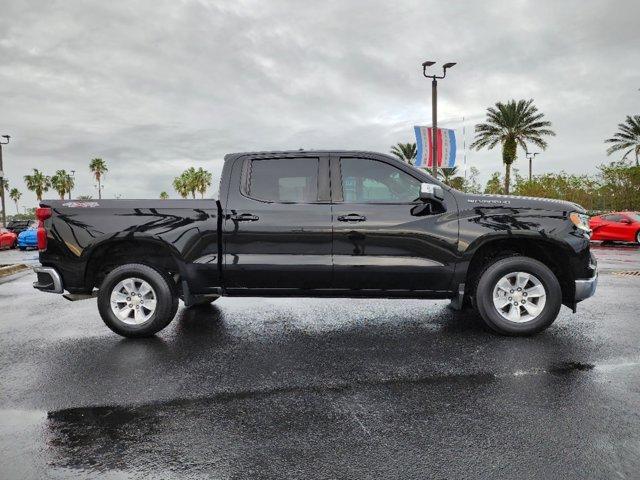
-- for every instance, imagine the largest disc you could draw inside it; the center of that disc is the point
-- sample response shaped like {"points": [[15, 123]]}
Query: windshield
{"points": [[635, 217]]}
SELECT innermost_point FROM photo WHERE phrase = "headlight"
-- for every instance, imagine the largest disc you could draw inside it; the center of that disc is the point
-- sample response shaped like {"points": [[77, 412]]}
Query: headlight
{"points": [[581, 221]]}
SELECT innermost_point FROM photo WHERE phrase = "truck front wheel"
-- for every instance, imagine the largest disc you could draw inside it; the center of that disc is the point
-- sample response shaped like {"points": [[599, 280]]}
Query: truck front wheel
{"points": [[136, 300], [518, 296]]}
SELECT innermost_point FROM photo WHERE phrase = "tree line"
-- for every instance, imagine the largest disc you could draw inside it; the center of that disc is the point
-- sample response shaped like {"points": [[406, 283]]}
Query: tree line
{"points": [[188, 183], [62, 182]]}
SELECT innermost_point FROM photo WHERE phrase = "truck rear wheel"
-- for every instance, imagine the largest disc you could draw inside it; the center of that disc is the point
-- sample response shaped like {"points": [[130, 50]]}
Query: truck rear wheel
{"points": [[518, 296], [136, 300]]}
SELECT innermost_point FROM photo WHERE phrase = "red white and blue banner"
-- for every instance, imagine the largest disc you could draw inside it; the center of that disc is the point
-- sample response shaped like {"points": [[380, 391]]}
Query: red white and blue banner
{"points": [[446, 139]]}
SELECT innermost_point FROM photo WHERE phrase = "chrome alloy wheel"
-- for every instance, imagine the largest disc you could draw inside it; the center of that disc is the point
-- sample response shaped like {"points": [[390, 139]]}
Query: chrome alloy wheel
{"points": [[519, 297], [133, 301]]}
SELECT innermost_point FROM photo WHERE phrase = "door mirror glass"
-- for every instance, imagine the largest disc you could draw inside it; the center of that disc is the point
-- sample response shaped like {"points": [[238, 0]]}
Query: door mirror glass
{"points": [[429, 191]]}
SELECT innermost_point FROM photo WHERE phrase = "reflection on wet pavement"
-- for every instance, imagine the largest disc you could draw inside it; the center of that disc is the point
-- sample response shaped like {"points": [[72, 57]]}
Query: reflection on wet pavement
{"points": [[291, 388]]}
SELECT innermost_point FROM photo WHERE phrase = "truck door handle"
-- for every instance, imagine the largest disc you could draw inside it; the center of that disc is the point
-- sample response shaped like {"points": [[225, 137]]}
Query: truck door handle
{"points": [[245, 217], [352, 217]]}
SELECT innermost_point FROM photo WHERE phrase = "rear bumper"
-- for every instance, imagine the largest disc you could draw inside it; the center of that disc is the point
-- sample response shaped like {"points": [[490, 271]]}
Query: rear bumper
{"points": [[587, 287], [27, 244], [49, 280]]}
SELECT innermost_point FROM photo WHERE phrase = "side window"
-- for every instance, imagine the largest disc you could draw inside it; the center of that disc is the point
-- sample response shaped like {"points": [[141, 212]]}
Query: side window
{"points": [[284, 180], [613, 217], [371, 181]]}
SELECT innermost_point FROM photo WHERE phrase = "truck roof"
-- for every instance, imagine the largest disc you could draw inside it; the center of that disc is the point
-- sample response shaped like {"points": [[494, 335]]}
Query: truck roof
{"points": [[306, 152]]}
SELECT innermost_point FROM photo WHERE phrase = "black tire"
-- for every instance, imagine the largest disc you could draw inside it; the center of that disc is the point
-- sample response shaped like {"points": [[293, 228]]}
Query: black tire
{"points": [[638, 237], [22, 249], [498, 269], [166, 300]]}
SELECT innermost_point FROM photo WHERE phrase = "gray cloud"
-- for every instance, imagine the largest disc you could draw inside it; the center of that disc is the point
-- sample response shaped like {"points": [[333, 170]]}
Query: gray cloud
{"points": [[154, 87]]}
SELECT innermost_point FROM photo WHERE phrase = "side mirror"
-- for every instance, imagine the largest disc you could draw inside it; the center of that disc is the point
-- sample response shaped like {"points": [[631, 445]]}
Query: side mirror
{"points": [[626, 221], [429, 191]]}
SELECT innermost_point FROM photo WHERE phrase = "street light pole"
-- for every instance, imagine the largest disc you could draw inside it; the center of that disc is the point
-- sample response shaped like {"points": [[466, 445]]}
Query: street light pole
{"points": [[2, 177], [434, 124], [434, 109], [531, 156]]}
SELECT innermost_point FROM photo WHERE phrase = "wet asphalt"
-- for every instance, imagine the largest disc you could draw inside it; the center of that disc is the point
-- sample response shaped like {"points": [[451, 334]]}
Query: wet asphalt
{"points": [[311, 388]]}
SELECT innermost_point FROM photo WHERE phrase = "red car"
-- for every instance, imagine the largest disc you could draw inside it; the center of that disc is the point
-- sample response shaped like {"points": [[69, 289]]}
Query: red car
{"points": [[617, 226], [7, 239]]}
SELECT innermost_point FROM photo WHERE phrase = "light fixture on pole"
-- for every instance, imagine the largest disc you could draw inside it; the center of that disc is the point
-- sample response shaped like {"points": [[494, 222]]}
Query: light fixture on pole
{"points": [[2, 180], [434, 108], [531, 156]]}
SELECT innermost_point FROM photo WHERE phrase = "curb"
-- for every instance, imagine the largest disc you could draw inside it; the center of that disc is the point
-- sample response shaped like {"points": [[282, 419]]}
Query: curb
{"points": [[6, 270]]}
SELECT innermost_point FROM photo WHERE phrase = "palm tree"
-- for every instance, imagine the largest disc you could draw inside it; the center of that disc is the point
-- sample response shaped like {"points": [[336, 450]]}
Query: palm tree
{"points": [[98, 167], [405, 151], [191, 180], [164, 196], [202, 181], [448, 173], [191, 177], [4, 183], [38, 183], [627, 137], [15, 195], [180, 186], [511, 124], [62, 183]]}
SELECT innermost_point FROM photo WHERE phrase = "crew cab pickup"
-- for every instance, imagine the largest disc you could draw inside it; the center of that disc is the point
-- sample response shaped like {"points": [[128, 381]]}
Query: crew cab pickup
{"points": [[319, 224]]}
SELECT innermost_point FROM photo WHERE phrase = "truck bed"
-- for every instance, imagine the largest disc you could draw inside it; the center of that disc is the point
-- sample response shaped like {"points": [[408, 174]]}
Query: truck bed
{"points": [[84, 233]]}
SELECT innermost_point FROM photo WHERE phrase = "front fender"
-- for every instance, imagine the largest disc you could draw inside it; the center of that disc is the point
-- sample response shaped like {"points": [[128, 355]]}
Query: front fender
{"points": [[531, 231]]}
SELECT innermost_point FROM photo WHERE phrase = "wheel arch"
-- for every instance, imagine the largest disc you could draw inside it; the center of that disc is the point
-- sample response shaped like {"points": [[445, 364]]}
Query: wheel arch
{"points": [[111, 254], [552, 253]]}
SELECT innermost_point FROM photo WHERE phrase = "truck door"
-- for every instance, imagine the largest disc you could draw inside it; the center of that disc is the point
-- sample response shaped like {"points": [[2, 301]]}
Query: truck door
{"points": [[384, 236], [277, 224]]}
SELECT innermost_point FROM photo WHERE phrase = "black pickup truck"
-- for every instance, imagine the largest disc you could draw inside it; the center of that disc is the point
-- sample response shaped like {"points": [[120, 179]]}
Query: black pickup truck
{"points": [[319, 224]]}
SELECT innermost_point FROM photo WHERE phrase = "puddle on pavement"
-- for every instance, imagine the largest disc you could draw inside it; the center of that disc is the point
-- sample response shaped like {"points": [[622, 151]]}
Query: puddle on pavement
{"points": [[570, 367]]}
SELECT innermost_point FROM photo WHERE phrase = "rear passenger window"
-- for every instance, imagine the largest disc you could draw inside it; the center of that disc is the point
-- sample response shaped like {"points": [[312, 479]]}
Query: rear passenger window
{"points": [[284, 180]]}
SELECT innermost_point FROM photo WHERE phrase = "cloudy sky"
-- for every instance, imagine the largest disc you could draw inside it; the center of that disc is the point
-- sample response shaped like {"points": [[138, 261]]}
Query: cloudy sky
{"points": [[154, 87]]}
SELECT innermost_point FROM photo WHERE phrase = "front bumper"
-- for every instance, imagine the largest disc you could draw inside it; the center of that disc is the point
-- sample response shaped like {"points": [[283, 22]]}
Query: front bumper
{"points": [[49, 280], [585, 288]]}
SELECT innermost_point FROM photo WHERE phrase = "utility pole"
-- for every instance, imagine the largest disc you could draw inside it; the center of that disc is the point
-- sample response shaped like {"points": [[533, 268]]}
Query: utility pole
{"points": [[2, 178], [531, 156], [434, 109]]}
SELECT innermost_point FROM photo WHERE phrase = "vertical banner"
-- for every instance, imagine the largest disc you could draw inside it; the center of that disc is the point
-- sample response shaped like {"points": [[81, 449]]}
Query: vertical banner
{"points": [[446, 139]]}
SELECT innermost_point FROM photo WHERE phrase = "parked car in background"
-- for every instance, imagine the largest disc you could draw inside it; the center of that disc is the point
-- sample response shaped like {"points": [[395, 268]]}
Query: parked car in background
{"points": [[28, 238], [7, 238], [617, 226], [18, 226]]}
